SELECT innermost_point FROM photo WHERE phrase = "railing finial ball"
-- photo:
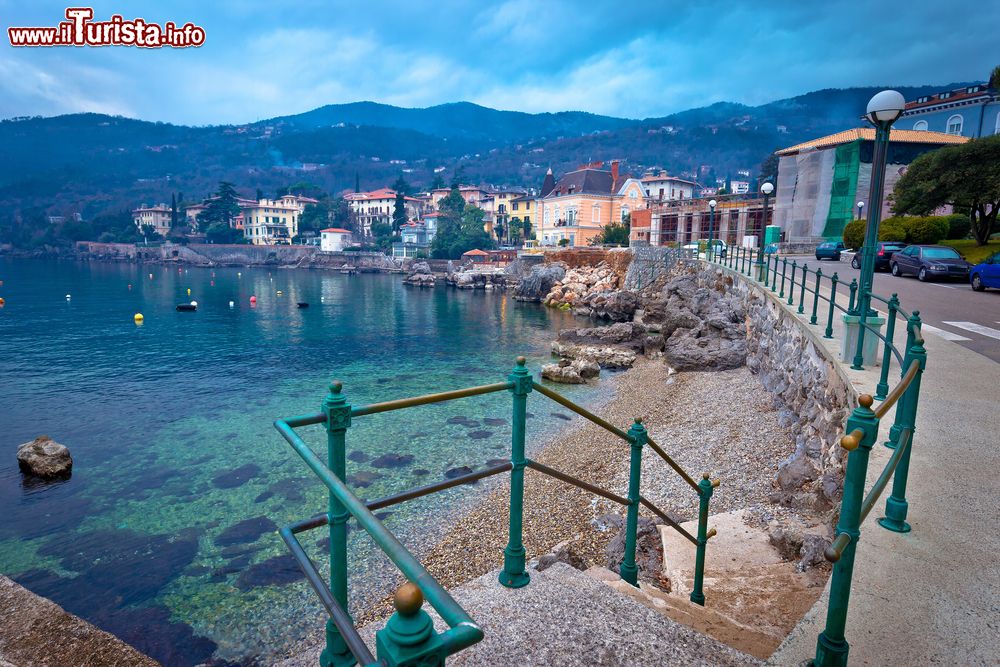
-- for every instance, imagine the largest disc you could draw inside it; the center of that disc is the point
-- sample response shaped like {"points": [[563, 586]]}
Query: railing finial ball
{"points": [[408, 599], [705, 476], [521, 361], [849, 442], [866, 400], [638, 420], [336, 386]]}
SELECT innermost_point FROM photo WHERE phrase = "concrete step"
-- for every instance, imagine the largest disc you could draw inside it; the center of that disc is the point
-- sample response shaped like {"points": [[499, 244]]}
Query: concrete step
{"points": [[703, 619], [746, 583], [564, 618]]}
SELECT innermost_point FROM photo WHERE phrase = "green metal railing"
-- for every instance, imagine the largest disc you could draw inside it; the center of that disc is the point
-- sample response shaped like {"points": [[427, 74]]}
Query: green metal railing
{"points": [[862, 430], [409, 637]]}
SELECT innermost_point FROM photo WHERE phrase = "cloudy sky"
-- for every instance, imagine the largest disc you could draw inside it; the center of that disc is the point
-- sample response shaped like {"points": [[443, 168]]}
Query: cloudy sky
{"points": [[634, 59]]}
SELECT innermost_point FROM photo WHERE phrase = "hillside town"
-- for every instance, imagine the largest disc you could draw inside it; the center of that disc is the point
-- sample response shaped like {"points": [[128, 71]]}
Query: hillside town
{"points": [[813, 190]]}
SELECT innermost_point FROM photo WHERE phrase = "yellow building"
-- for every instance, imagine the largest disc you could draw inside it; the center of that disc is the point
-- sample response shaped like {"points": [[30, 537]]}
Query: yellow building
{"points": [[584, 201], [158, 217], [274, 221]]}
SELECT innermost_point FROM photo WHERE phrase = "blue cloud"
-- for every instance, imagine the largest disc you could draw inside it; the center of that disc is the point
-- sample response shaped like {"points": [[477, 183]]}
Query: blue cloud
{"points": [[633, 59]]}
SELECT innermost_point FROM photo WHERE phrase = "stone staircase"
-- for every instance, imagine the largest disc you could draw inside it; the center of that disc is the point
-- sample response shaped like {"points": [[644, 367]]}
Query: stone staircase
{"points": [[566, 617]]}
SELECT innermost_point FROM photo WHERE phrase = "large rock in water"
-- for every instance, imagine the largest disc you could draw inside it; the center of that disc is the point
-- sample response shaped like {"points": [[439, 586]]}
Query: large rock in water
{"points": [[539, 283], [420, 274], [44, 457], [571, 372]]}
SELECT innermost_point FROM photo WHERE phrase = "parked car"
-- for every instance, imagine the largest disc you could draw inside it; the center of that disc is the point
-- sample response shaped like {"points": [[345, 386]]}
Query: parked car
{"points": [[929, 262], [830, 250], [986, 273], [883, 254], [719, 248]]}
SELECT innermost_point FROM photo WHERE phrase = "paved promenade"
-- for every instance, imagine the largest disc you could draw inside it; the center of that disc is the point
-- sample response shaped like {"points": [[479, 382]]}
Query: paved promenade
{"points": [[930, 596]]}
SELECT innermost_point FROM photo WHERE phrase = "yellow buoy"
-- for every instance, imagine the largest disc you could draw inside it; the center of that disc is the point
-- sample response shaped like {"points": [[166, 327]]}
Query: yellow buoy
{"points": [[189, 291], [138, 318]]}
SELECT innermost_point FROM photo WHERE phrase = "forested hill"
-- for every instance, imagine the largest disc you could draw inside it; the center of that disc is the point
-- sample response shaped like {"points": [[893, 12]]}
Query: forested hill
{"points": [[92, 163]]}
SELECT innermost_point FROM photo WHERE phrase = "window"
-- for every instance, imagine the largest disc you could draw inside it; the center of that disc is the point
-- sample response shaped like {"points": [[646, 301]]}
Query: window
{"points": [[920, 125], [944, 96], [595, 217], [954, 125], [633, 195], [571, 216], [624, 213]]}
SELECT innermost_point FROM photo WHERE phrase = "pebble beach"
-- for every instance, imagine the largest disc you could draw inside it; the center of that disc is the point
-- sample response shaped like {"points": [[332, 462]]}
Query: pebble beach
{"points": [[719, 422]]}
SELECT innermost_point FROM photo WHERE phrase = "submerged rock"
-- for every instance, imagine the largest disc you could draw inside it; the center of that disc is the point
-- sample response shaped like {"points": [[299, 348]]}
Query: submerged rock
{"points": [[245, 531], [44, 457], [363, 478], [480, 435], [236, 477], [452, 473], [276, 571], [393, 461]]}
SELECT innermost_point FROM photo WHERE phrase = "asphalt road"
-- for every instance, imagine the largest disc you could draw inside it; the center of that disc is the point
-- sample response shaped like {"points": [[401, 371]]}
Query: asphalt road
{"points": [[950, 310]]}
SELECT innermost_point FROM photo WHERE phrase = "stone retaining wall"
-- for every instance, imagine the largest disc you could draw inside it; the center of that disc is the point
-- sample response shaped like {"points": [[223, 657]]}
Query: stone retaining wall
{"points": [[807, 386]]}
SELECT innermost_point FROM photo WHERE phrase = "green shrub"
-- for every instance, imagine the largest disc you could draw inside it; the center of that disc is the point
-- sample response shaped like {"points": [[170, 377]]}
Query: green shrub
{"points": [[891, 230], [854, 234], [959, 226], [926, 230]]}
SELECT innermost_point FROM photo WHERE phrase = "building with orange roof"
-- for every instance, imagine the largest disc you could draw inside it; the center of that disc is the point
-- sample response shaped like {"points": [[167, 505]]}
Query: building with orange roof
{"points": [[583, 201], [821, 181]]}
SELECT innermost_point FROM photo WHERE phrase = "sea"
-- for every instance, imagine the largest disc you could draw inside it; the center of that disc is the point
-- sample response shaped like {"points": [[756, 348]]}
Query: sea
{"points": [[165, 534]]}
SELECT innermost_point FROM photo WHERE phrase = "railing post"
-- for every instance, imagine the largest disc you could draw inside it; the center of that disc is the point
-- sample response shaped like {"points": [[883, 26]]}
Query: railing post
{"points": [[705, 489], [791, 285], [774, 280], [831, 646], [637, 437], [338, 419], [743, 266], [833, 302], [513, 574], [408, 638], [897, 425], [819, 277], [767, 269], [896, 505], [802, 290], [882, 388], [784, 268], [854, 293]]}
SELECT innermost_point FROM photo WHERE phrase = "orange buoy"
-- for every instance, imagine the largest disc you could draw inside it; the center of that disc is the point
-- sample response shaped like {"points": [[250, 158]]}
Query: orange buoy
{"points": [[253, 299]]}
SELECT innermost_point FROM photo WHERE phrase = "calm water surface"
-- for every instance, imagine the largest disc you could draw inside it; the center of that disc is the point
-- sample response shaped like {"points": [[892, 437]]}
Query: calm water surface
{"points": [[164, 535]]}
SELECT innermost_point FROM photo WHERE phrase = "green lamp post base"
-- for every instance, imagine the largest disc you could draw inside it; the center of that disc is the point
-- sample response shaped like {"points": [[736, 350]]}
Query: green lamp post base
{"points": [[517, 580]]}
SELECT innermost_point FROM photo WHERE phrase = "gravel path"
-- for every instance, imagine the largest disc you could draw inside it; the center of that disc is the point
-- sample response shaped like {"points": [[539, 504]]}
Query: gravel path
{"points": [[721, 422]]}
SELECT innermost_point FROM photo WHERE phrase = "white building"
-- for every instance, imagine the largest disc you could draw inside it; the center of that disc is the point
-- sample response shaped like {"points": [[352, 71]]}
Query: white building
{"points": [[661, 187], [739, 187], [158, 217], [334, 239], [378, 206]]}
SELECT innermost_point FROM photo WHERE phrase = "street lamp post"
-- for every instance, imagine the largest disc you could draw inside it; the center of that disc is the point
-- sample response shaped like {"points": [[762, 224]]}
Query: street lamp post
{"points": [[883, 110], [832, 647], [861, 206], [766, 188], [711, 227]]}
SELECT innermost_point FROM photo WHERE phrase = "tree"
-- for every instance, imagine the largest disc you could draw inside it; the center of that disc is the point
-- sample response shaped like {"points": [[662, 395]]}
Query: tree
{"points": [[173, 210], [438, 181], [222, 207], [399, 211], [769, 170], [357, 182], [995, 78], [400, 185], [260, 194], [460, 228], [965, 176], [614, 233], [220, 232], [315, 217]]}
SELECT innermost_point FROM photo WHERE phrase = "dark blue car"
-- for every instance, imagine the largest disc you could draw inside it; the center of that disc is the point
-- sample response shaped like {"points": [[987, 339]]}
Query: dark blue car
{"points": [[986, 274], [830, 250]]}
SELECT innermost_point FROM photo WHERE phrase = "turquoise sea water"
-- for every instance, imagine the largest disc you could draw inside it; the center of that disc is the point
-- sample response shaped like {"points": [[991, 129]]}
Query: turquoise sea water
{"points": [[164, 535]]}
